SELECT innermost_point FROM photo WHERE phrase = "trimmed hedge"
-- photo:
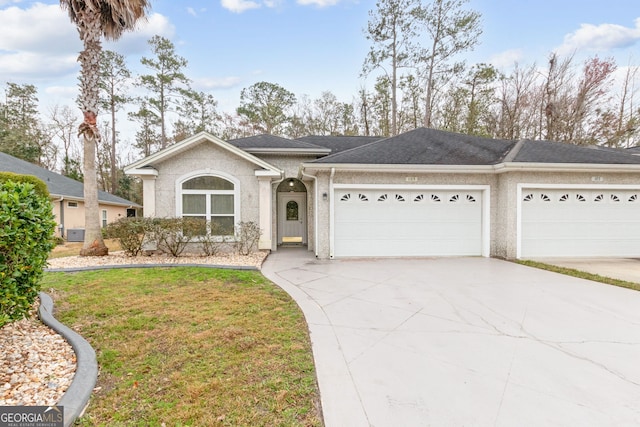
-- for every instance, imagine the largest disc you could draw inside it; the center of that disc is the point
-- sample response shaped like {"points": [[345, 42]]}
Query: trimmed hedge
{"points": [[39, 185], [26, 238]]}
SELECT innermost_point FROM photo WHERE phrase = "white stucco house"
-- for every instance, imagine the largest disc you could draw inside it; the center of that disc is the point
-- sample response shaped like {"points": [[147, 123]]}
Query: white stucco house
{"points": [[422, 193]]}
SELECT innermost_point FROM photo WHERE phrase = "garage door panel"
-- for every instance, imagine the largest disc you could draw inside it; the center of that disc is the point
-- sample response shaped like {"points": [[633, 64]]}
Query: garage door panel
{"points": [[563, 222], [407, 223], [399, 247]]}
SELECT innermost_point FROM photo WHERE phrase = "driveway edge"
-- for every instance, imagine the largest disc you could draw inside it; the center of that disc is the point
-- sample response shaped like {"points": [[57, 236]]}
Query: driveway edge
{"points": [[76, 398]]}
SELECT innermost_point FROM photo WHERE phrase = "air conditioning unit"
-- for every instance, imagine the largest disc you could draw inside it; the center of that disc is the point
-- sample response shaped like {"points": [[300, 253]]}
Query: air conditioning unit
{"points": [[75, 235]]}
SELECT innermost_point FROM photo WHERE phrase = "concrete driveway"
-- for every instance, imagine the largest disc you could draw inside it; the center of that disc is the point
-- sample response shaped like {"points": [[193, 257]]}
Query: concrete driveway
{"points": [[465, 342]]}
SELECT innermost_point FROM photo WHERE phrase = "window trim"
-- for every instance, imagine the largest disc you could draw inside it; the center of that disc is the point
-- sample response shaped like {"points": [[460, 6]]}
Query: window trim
{"points": [[195, 174]]}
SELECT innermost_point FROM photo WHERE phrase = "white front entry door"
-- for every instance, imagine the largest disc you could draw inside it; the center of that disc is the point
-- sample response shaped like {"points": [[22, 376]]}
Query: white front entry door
{"points": [[292, 218]]}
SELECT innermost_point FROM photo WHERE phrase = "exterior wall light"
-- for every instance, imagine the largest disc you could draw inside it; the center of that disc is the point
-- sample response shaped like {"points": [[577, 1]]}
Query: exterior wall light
{"points": [[325, 196]]}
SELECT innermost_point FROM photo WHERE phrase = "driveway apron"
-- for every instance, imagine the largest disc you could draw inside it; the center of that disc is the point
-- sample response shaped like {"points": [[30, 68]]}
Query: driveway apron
{"points": [[464, 342]]}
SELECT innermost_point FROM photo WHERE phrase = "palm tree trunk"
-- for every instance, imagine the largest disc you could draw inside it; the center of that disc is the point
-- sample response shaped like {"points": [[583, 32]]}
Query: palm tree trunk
{"points": [[90, 34]]}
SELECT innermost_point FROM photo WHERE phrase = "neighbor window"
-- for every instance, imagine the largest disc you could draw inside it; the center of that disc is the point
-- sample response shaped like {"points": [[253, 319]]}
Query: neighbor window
{"points": [[104, 217], [211, 199]]}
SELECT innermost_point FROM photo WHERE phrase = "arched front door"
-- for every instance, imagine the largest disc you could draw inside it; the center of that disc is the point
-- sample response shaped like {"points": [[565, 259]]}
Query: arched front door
{"points": [[292, 213]]}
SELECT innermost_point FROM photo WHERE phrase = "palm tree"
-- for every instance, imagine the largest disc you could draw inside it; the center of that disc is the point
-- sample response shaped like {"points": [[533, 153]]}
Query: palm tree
{"points": [[95, 19]]}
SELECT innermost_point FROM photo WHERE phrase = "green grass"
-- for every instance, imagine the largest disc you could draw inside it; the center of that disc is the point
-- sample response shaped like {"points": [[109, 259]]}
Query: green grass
{"points": [[190, 347], [581, 274]]}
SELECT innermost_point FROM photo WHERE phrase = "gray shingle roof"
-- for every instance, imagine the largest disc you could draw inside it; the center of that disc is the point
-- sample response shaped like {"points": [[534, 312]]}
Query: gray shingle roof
{"points": [[424, 146], [268, 142], [57, 184], [339, 143], [558, 152]]}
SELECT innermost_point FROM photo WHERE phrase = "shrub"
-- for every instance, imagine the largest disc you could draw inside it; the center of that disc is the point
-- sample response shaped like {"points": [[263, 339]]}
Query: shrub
{"points": [[38, 185], [247, 237], [213, 242], [174, 234], [26, 238], [129, 232]]}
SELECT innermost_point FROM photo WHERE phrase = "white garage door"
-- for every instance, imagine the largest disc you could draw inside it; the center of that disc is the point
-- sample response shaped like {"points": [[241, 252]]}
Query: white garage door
{"points": [[407, 223], [580, 223]]}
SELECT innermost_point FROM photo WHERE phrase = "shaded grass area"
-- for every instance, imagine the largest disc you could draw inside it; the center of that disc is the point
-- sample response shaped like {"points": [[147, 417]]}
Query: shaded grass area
{"points": [[581, 274], [73, 248], [191, 346]]}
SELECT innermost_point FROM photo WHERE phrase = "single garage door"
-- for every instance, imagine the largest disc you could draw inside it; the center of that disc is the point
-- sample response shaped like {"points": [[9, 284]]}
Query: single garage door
{"points": [[407, 223], [580, 223]]}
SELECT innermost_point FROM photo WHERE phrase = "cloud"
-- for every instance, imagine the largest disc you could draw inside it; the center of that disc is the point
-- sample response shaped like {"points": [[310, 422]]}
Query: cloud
{"points": [[507, 58], [318, 3], [239, 6], [603, 37], [41, 28], [135, 42], [216, 83], [191, 11]]}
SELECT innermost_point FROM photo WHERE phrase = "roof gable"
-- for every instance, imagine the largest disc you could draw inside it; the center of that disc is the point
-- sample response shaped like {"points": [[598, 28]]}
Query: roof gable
{"points": [[145, 166]]}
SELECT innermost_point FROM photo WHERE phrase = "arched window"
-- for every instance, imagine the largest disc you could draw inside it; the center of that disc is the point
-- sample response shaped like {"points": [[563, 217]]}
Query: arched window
{"points": [[211, 199]]}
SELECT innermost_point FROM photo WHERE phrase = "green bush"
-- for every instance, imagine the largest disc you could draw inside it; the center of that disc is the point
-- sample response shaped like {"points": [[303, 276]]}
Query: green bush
{"points": [[129, 232], [26, 239], [39, 186]]}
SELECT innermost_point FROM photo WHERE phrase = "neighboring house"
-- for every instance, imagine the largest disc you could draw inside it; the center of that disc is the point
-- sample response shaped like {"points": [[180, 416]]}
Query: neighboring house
{"points": [[67, 197], [422, 193]]}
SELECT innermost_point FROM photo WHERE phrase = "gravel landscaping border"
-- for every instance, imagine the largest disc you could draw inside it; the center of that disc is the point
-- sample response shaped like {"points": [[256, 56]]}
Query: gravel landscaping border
{"points": [[76, 398]]}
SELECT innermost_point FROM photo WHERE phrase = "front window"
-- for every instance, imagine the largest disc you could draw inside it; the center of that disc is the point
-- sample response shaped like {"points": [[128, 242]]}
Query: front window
{"points": [[212, 200], [292, 211]]}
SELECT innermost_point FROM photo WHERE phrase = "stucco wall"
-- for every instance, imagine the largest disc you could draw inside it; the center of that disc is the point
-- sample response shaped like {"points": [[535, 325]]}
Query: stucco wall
{"points": [[74, 217], [207, 158]]}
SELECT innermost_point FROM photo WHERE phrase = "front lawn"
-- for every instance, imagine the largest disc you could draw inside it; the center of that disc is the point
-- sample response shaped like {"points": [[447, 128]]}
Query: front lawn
{"points": [[190, 346]]}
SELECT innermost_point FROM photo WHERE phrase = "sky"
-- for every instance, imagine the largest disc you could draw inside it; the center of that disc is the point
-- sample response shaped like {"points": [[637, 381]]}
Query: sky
{"points": [[305, 46]]}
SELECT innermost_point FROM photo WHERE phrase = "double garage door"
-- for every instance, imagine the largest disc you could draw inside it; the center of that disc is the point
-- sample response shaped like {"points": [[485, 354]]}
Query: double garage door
{"points": [[395, 222], [580, 223]]}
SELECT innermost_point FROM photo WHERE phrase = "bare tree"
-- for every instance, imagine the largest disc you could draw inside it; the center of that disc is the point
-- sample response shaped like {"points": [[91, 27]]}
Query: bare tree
{"points": [[64, 124]]}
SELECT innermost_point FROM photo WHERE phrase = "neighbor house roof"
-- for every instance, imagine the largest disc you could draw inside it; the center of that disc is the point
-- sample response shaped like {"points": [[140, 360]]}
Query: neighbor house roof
{"points": [[58, 185], [424, 146], [270, 144]]}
